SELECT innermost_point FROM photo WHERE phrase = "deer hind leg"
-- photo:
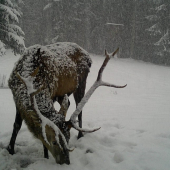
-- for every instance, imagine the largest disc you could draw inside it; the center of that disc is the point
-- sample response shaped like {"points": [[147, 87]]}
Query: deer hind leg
{"points": [[78, 95], [16, 128]]}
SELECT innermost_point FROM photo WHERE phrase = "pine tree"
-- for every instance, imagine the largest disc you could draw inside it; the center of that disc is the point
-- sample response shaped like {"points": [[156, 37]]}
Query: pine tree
{"points": [[11, 35], [160, 32]]}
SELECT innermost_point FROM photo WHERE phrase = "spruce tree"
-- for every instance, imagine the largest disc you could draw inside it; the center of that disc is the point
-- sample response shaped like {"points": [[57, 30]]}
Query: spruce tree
{"points": [[160, 32], [11, 35]]}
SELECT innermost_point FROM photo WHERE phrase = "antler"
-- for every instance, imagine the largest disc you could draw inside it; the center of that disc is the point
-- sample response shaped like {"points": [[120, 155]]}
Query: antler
{"points": [[96, 84], [64, 106], [38, 117]]}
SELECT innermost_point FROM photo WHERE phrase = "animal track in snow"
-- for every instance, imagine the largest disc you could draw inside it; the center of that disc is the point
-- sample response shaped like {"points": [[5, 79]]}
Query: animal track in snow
{"points": [[106, 141], [118, 157], [140, 131], [113, 134], [164, 135], [118, 126], [89, 151]]}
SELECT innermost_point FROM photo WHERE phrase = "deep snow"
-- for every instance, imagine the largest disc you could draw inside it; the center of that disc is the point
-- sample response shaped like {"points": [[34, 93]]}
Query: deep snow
{"points": [[134, 121]]}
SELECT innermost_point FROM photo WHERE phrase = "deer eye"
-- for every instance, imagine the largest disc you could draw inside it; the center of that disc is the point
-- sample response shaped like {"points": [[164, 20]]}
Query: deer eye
{"points": [[54, 143]]}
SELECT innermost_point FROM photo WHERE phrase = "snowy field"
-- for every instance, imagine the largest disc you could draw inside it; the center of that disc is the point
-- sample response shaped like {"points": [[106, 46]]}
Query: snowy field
{"points": [[134, 121]]}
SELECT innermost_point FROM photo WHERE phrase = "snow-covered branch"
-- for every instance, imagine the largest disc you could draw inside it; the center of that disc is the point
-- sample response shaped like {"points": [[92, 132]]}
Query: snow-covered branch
{"points": [[12, 13]]}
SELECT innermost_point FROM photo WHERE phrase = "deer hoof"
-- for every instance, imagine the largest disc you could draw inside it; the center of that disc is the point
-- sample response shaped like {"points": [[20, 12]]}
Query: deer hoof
{"points": [[11, 151]]}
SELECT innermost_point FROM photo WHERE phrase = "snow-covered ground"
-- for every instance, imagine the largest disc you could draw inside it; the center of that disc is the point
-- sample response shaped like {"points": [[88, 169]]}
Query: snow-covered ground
{"points": [[134, 121]]}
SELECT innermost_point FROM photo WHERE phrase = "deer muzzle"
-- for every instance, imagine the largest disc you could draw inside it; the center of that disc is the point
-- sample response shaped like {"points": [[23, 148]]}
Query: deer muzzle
{"points": [[62, 157]]}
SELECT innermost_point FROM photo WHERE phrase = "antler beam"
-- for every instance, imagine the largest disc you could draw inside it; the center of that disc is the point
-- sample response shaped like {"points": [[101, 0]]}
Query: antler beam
{"points": [[96, 84]]}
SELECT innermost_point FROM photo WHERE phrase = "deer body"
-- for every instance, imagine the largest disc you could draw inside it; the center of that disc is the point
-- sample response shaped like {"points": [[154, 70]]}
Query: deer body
{"points": [[46, 74], [55, 70]]}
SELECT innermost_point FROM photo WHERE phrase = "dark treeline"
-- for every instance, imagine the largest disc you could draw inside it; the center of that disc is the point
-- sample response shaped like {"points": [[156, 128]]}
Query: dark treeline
{"points": [[140, 28]]}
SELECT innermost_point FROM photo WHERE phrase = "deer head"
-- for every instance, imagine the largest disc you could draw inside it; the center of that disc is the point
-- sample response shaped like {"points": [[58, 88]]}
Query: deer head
{"points": [[54, 136]]}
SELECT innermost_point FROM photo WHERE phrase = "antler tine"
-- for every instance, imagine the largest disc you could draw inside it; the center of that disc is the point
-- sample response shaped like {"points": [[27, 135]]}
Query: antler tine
{"points": [[105, 63], [83, 129], [64, 106], [99, 78], [111, 85], [96, 84]]}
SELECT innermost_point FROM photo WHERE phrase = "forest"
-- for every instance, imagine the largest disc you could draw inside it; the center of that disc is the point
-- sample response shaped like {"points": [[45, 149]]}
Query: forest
{"points": [[140, 28]]}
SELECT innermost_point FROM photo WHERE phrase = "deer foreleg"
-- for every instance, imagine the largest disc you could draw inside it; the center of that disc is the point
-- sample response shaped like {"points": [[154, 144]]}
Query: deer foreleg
{"points": [[16, 128], [45, 152], [80, 134], [78, 95]]}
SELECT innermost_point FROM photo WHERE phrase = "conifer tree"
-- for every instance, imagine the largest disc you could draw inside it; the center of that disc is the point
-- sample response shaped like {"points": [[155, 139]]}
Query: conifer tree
{"points": [[160, 32], [11, 35]]}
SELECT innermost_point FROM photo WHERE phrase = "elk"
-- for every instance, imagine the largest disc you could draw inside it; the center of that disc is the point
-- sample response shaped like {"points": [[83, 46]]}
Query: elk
{"points": [[43, 75]]}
